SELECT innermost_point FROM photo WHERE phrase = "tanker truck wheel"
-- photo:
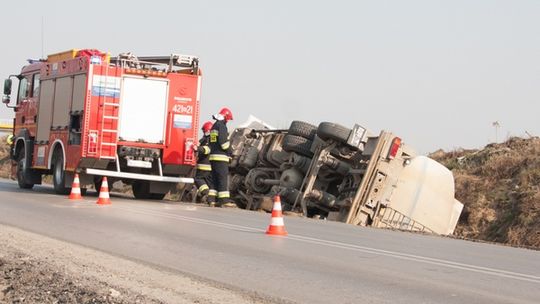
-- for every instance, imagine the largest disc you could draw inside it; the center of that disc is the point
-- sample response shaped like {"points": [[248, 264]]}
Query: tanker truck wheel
{"points": [[303, 129], [22, 172], [300, 145], [328, 130], [59, 174]]}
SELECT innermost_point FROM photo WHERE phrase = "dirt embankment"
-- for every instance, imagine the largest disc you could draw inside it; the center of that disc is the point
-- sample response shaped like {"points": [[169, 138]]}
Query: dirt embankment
{"points": [[500, 188]]}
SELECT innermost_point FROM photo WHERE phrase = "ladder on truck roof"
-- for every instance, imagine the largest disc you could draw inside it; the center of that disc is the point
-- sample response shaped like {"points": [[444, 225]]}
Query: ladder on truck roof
{"points": [[109, 123]]}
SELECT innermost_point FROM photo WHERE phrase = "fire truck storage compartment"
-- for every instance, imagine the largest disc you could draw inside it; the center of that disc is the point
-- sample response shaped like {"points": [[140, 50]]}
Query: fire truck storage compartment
{"points": [[79, 92], [144, 105], [46, 98], [62, 102], [57, 97]]}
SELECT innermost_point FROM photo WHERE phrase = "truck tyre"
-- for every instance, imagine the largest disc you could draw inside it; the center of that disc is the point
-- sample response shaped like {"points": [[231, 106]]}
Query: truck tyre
{"points": [[253, 181], [303, 129], [97, 183], [141, 189], [328, 130], [59, 174], [22, 172], [300, 145]]}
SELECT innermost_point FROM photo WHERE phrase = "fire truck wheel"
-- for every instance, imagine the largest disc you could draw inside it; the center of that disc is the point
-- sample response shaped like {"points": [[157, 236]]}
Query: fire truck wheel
{"points": [[141, 189], [22, 172], [303, 129], [59, 175], [328, 130], [97, 184], [300, 145]]}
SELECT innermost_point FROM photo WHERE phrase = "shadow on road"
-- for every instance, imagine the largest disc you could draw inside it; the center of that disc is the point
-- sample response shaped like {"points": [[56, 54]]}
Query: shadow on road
{"points": [[11, 186]]}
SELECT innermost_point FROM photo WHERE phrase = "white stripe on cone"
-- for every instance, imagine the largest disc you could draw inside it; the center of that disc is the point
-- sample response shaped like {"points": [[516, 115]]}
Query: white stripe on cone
{"points": [[277, 221], [104, 194], [277, 206]]}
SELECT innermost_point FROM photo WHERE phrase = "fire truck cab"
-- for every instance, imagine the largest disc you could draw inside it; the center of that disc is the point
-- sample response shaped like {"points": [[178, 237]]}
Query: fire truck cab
{"points": [[129, 118]]}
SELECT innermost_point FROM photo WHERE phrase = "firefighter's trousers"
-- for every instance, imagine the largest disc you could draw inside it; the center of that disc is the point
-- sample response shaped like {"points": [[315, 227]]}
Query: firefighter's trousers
{"points": [[203, 181], [220, 177]]}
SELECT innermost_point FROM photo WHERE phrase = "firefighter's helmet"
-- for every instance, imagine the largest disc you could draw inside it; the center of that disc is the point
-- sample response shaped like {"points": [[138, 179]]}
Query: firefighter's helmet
{"points": [[206, 127], [226, 113]]}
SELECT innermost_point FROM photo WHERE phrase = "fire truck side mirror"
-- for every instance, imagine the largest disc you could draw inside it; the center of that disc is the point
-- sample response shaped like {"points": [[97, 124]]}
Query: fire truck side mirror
{"points": [[7, 91], [7, 86]]}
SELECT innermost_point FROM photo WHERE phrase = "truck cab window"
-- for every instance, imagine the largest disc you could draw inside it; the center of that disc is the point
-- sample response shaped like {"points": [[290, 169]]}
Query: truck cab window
{"points": [[23, 90], [35, 85]]}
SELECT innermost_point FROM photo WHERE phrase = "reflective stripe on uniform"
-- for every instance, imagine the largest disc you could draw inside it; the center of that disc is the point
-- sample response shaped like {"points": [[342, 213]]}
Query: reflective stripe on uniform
{"points": [[218, 157], [214, 136], [223, 194], [202, 188], [226, 145], [9, 139], [206, 150], [204, 167], [212, 192]]}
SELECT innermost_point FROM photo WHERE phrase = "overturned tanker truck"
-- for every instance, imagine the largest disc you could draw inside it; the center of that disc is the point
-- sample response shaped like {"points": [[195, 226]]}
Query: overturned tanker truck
{"points": [[342, 174]]}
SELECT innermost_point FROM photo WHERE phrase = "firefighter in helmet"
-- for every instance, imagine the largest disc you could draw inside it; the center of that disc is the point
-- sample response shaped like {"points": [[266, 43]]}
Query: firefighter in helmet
{"points": [[203, 176], [219, 157]]}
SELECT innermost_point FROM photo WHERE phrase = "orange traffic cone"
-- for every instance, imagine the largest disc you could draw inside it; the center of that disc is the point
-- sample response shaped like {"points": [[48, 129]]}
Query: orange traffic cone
{"points": [[103, 198], [277, 227], [75, 189]]}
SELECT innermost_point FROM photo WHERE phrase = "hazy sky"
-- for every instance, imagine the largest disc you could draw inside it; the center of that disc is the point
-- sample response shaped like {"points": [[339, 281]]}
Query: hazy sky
{"points": [[437, 73]]}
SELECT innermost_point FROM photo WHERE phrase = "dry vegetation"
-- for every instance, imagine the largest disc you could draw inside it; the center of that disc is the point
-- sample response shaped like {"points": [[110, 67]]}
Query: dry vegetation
{"points": [[5, 164], [500, 188]]}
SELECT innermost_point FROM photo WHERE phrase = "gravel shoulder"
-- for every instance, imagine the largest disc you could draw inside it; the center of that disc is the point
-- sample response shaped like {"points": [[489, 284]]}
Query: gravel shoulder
{"points": [[38, 269]]}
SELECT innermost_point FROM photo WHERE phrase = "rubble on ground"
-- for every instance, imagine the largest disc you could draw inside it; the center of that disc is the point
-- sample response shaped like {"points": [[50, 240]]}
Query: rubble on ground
{"points": [[24, 279]]}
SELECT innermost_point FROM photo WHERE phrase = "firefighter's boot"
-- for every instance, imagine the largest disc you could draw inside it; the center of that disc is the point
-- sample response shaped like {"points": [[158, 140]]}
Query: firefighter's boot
{"points": [[211, 198]]}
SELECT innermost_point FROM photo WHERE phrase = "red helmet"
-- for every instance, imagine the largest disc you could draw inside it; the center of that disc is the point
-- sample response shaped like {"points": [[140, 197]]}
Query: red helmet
{"points": [[207, 126], [226, 113]]}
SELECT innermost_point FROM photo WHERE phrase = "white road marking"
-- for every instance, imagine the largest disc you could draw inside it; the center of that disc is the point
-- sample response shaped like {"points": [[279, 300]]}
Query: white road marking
{"points": [[371, 250]]}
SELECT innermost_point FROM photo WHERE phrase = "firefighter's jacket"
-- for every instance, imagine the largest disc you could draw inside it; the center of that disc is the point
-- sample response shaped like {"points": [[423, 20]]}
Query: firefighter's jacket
{"points": [[219, 142], [203, 153]]}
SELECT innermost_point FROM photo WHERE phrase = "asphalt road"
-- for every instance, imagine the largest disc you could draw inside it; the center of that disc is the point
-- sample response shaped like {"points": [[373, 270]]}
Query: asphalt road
{"points": [[319, 262]]}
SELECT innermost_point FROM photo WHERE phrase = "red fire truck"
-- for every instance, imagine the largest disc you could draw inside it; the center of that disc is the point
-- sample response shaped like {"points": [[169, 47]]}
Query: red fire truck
{"points": [[128, 118]]}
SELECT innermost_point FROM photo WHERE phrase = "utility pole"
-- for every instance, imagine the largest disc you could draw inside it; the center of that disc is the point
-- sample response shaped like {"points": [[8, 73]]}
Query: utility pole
{"points": [[496, 125], [42, 36]]}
